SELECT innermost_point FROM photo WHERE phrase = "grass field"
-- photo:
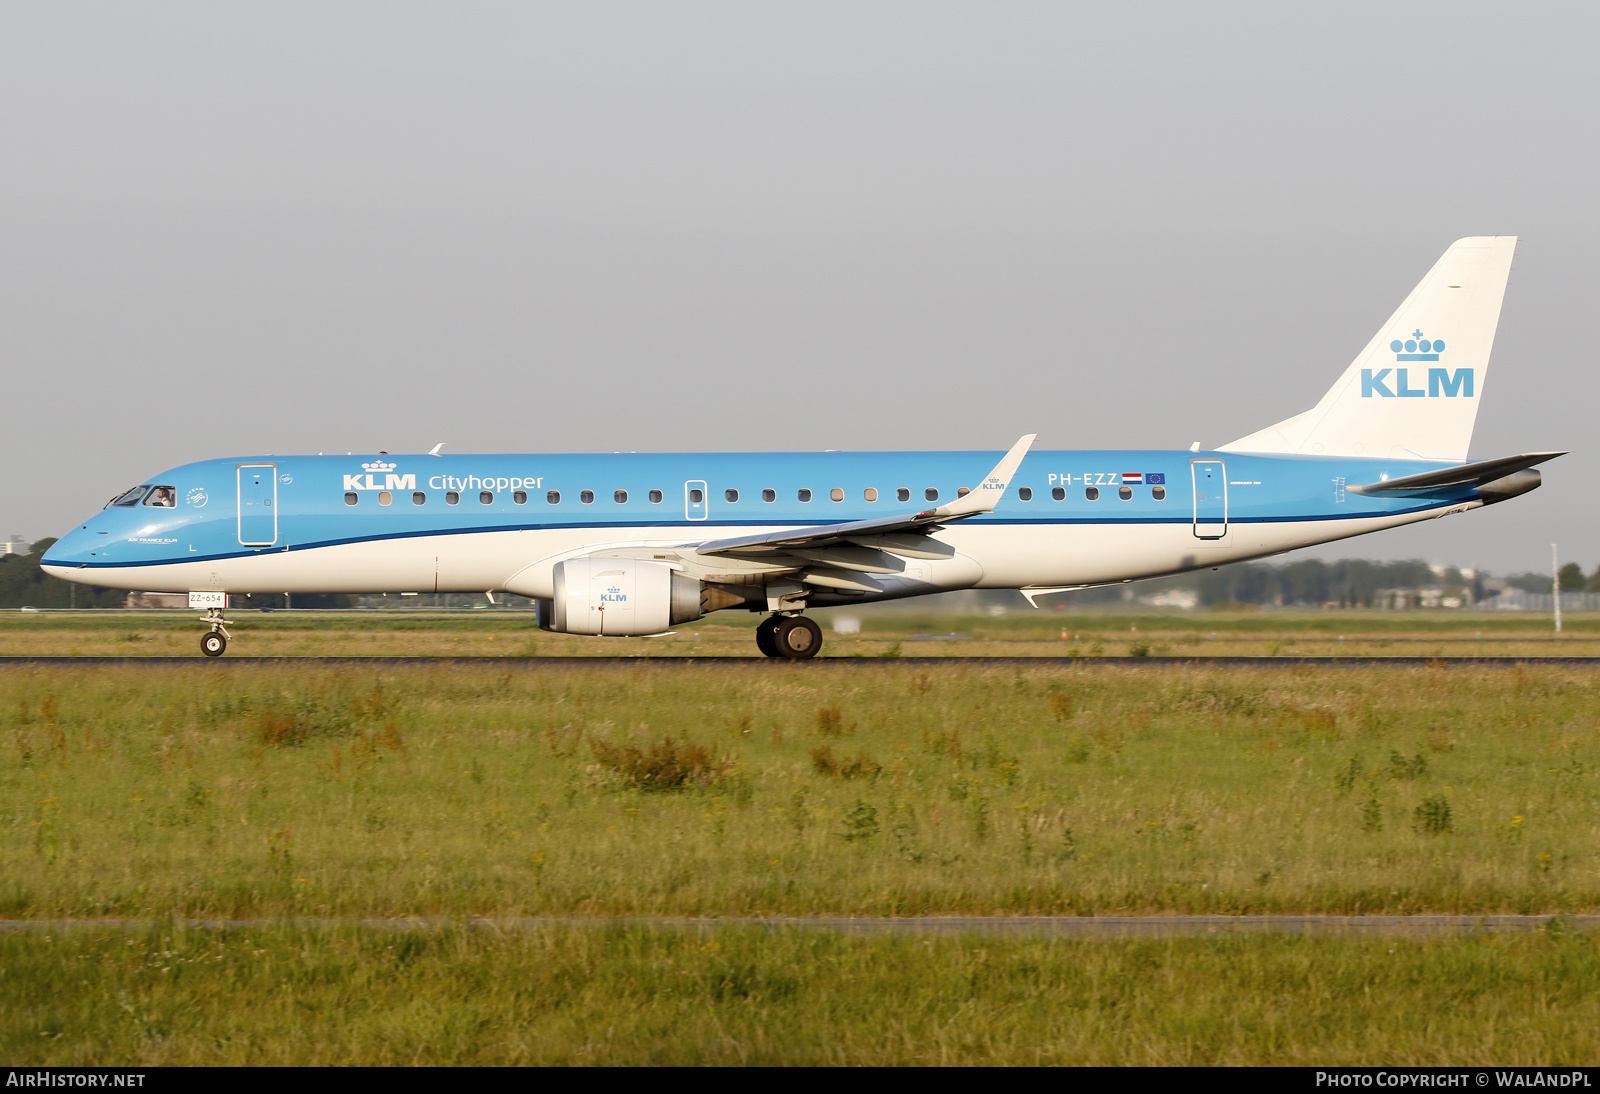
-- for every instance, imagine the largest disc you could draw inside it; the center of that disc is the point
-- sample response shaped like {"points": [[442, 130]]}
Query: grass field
{"points": [[279, 791], [775, 789], [751, 996], [896, 630]]}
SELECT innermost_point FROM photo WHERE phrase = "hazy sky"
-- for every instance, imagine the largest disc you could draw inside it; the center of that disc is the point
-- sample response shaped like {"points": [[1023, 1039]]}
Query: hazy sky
{"points": [[231, 229]]}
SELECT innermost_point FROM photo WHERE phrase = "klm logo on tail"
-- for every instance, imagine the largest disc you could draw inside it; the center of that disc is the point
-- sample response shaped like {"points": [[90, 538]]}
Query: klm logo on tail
{"points": [[1442, 383]]}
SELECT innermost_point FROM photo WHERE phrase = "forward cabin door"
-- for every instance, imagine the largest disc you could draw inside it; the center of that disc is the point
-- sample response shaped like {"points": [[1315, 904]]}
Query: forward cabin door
{"points": [[1210, 498], [258, 504], [696, 506]]}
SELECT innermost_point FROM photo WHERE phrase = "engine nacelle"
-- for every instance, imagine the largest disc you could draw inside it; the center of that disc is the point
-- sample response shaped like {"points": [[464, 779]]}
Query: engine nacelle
{"points": [[619, 597]]}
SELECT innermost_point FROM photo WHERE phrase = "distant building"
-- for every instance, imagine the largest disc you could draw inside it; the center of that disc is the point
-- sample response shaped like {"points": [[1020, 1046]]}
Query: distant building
{"points": [[1426, 596], [16, 545], [1186, 599]]}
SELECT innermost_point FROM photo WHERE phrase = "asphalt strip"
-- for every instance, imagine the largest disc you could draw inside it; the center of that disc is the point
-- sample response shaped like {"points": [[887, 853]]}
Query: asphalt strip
{"points": [[222, 663], [1132, 926]]}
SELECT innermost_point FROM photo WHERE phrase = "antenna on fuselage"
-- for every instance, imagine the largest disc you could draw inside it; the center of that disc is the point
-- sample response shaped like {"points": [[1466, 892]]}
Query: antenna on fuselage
{"points": [[434, 451]]}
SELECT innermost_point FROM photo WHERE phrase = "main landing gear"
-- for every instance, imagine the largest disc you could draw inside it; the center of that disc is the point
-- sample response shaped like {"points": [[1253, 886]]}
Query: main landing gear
{"points": [[216, 640], [791, 636]]}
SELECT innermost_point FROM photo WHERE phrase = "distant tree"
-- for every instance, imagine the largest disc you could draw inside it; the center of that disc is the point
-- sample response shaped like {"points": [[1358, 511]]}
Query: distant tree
{"points": [[24, 584], [1530, 583], [1352, 581], [1572, 579], [1593, 584]]}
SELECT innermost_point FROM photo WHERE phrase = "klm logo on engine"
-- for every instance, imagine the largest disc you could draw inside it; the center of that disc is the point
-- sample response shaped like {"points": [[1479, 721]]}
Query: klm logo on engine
{"points": [[380, 476], [613, 595], [1441, 383]]}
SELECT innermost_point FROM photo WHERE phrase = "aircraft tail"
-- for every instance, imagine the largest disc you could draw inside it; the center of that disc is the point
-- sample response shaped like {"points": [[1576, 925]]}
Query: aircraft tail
{"points": [[1413, 392]]}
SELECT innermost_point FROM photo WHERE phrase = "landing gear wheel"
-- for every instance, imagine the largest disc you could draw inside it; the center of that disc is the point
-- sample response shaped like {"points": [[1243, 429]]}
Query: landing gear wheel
{"points": [[766, 636], [798, 638], [213, 644]]}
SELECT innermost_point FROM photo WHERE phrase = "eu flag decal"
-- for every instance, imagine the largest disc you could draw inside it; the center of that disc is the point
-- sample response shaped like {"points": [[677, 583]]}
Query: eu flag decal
{"points": [[1155, 479]]}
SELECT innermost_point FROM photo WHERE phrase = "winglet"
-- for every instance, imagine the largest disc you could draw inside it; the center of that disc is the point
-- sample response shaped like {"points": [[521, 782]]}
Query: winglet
{"points": [[434, 451], [988, 493]]}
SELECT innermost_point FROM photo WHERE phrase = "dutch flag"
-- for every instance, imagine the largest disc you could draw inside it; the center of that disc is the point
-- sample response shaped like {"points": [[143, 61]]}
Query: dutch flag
{"points": [[1131, 478]]}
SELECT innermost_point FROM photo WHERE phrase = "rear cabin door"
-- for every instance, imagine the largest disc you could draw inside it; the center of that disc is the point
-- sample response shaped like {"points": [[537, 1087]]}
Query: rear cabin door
{"points": [[1210, 498], [696, 505], [258, 504]]}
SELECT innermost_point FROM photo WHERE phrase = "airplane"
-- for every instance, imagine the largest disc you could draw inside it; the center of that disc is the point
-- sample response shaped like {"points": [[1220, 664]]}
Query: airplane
{"points": [[635, 544]]}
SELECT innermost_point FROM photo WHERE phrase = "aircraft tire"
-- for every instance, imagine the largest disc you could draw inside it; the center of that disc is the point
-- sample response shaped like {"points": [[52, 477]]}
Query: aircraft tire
{"points": [[213, 644], [766, 640], [798, 638]]}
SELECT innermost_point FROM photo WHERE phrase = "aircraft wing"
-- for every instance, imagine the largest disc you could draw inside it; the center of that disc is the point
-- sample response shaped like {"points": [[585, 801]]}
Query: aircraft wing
{"points": [[881, 531], [1467, 474]]}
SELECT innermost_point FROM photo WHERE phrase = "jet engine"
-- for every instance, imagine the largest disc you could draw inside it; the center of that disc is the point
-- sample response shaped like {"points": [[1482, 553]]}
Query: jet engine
{"points": [[625, 597]]}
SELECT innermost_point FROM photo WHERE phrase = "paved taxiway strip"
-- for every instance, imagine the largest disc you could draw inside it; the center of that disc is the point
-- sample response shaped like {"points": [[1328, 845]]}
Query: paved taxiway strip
{"points": [[1110, 926], [855, 662]]}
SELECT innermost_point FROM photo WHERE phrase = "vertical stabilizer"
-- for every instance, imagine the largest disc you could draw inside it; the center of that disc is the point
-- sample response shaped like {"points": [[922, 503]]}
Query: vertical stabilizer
{"points": [[1413, 392]]}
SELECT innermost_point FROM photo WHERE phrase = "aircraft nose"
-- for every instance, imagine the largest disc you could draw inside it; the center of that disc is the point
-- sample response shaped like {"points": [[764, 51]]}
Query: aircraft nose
{"points": [[64, 552]]}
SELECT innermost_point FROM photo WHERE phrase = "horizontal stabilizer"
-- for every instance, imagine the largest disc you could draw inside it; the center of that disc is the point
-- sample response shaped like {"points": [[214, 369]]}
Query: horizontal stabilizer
{"points": [[1467, 474]]}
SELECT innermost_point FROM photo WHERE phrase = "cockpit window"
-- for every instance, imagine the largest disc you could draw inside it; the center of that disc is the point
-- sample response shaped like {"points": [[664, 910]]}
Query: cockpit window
{"points": [[163, 497], [131, 498]]}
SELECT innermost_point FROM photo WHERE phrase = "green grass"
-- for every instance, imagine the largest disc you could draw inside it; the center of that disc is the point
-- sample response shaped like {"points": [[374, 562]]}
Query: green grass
{"points": [[746, 995], [278, 791], [886, 631]]}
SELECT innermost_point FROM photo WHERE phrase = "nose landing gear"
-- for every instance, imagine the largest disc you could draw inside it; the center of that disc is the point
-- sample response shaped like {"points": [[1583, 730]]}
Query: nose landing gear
{"points": [[794, 637], [216, 640]]}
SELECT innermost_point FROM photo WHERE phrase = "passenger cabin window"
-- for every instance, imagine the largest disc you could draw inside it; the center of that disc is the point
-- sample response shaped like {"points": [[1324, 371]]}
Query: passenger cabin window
{"points": [[553, 497], [620, 497], [452, 497], [1059, 494], [486, 497], [163, 497], [1092, 493], [962, 491], [385, 497], [655, 497], [931, 494], [730, 495], [351, 498], [1159, 493], [870, 493], [586, 496], [131, 498], [836, 494], [902, 494], [519, 497], [1025, 493], [1125, 492], [804, 494], [419, 498], [769, 495]]}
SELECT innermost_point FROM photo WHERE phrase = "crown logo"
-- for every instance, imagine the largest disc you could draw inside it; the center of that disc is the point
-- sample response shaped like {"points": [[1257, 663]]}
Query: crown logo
{"points": [[1417, 348], [379, 466]]}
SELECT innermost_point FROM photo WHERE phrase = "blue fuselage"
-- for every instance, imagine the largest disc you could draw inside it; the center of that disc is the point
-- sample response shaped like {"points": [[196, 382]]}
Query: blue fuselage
{"points": [[238, 508]]}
